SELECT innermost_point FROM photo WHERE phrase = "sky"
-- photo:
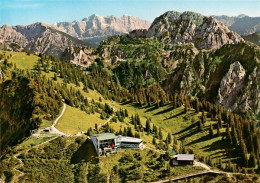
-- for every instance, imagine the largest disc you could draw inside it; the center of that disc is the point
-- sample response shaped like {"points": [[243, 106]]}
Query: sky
{"points": [[24, 12]]}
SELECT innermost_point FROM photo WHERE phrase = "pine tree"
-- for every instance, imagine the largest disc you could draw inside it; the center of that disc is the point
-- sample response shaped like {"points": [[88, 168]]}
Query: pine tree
{"points": [[160, 134], [130, 132], [175, 142], [169, 138], [203, 118], [200, 126], [218, 130], [219, 121], [120, 132], [175, 101], [197, 105], [243, 151], [252, 161], [154, 141], [148, 126], [211, 132], [234, 136], [55, 77], [126, 113]]}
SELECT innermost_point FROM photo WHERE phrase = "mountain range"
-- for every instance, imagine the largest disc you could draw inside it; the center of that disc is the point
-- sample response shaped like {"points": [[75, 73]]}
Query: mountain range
{"points": [[38, 37], [54, 39], [95, 28], [201, 55], [241, 24]]}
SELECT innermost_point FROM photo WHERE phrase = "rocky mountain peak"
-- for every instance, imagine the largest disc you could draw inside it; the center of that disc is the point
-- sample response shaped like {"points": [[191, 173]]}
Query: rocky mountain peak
{"points": [[5, 26], [32, 31], [8, 34], [189, 27]]}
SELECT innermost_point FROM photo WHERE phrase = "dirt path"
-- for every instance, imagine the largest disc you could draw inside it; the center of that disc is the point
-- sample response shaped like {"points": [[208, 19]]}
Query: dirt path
{"points": [[53, 129], [197, 163], [61, 114], [109, 119]]}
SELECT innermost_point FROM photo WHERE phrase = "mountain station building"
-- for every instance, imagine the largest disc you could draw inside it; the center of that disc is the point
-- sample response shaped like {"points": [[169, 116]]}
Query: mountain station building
{"points": [[106, 143]]}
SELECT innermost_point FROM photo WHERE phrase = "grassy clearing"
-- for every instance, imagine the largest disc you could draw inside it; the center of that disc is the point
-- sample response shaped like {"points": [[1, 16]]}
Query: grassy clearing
{"points": [[23, 61], [33, 141], [74, 120]]}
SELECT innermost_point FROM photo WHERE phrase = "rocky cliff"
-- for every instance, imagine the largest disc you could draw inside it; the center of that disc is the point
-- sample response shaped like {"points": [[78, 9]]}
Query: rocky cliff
{"points": [[95, 28], [200, 55], [81, 56]]}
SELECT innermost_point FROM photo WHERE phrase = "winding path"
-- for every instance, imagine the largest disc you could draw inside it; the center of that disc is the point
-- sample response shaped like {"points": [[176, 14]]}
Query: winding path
{"points": [[109, 119], [21, 162], [53, 129]]}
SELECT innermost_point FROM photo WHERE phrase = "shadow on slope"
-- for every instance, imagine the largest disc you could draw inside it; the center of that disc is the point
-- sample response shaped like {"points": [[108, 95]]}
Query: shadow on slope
{"points": [[86, 152]]}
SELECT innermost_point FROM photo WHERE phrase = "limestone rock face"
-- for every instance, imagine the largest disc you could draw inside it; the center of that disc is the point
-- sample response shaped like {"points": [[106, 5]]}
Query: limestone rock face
{"points": [[81, 56], [188, 27], [95, 28], [231, 84], [249, 100]]}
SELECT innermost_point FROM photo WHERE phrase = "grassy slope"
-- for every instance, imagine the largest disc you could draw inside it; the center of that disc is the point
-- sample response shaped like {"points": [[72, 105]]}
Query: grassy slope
{"points": [[173, 121], [74, 120], [23, 61], [180, 125]]}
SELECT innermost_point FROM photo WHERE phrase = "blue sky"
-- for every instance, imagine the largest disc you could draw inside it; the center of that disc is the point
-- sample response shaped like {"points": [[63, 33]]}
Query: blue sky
{"points": [[22, 12]]}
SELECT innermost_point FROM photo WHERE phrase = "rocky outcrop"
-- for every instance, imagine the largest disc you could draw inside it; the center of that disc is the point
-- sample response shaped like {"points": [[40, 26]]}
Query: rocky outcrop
{"points": [[237, 94], [81, 56], [231, 84], [242, 24], [138, 33], [250, 98], [95, 28], [188, 27]]}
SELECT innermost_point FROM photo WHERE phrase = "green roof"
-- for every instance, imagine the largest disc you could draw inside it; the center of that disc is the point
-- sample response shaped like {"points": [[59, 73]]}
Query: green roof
{"points": [[105, 136]]}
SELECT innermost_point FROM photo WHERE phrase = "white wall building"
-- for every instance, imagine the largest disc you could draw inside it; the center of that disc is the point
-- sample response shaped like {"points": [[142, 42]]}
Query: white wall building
{"points": [[130, 142], [105, 143]]}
